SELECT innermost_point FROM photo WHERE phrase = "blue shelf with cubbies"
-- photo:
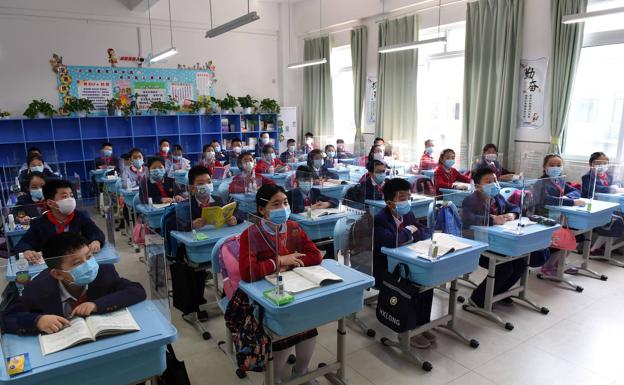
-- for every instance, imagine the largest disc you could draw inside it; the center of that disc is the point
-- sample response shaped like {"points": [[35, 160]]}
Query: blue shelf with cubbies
{"points": [[77, 141]]}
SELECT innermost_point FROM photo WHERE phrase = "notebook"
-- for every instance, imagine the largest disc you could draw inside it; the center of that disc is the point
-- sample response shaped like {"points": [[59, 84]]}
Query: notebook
{"points": [[88, 329], [446, 244], [305, 278]]}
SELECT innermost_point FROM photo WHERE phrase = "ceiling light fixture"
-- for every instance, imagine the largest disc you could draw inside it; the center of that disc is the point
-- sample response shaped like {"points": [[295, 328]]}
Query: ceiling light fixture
{"points": [[311, 62], [169, 51], [232, 24]]}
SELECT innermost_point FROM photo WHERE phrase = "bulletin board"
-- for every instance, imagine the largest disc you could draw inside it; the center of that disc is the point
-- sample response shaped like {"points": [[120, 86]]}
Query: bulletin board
{"points": [[100, 84]]}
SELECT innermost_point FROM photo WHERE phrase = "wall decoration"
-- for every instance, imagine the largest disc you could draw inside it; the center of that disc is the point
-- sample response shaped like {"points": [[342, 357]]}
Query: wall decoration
{"points": [[112, 57], [531, 98], [98, 91], [371, 99]]}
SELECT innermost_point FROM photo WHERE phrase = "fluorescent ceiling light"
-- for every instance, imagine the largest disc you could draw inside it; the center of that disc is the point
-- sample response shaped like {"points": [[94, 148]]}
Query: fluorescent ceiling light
{"points": [[411, 45], [233, 24], [581, 17], [307, 63], [163, 55]]}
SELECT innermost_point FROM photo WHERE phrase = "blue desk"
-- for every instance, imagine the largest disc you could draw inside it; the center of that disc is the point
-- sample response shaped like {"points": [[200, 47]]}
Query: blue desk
{"points": [[294, 165], [343, 172], [334, 191], [107, 255], [512, 184], [111, 184], [129, 196], [611, 243], [514, 244], [14, 236], [245, 202], [420, 207], [321, 227], [314, 308], [200, 251], [455, 196], [428, 173], [98, 174], [121, 359], [348, 161], [614, 198], [152, 215], [279, 178], [356, 173]]}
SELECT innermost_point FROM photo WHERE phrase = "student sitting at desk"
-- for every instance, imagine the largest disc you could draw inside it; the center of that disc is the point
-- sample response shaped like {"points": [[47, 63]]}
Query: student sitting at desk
{"points": [[124, 163], [309, 142], [598, 178], [234, 153], [62, 217], [315, 162], [330, 160], [445, 175], [374, 180], [341, 150], [269, 164], [209, 159], [304, 194], [487, 207], [72, 285], [247, 180], [290, 155], [33, 151], [30, 205], [427, 162], [35, 164], [489, 159], [257, 260], [106, 160], [164, 149], [135, 173], [158, 186], [178, 161], [265, 139], [394, 226], [219, 154]]}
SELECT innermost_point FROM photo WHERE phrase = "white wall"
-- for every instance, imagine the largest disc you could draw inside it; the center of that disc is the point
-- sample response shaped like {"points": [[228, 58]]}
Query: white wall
{"points": [[30, 31]]}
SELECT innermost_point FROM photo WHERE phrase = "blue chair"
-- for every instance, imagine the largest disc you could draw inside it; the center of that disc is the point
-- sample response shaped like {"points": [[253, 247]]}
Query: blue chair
{"points": [[507, 192]]}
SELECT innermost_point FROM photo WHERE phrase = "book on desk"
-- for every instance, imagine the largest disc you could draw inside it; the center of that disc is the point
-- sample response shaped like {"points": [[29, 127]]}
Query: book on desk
{"points": [[216, 215], [446, 244], [305, 278]]}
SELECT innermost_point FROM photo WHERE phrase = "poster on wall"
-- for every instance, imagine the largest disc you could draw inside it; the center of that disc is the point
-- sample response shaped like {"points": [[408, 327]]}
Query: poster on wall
{"points": [[149, 92], [98, 91], [182, 91], [532, 87], [371, 99]]}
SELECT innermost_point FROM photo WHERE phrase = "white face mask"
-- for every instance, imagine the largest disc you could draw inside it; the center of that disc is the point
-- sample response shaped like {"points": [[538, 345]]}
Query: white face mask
{"points": [[66, 206], [165, 149], [210, 155], [309, 141], [378, 156], [237, 150]]}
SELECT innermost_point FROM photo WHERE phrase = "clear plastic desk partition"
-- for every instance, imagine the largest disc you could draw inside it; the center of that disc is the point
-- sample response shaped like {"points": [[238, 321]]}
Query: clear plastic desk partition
{"points": [[156, 270], [11, 187], [354, 236]]}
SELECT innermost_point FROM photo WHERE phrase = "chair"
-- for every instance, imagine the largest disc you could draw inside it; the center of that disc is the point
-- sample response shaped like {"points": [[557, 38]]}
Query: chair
{"points": [[507, 192]]}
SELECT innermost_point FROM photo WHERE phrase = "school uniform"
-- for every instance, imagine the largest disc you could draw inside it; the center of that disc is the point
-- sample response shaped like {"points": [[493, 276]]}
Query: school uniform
{"points": [[26, 206], [427, 162], [25, 167], [444, 178], [330, 162], [45, 295], [372, 190], [478, 210], [194, 208], [257, 260], [555, 195], [25, 175], [46, 226], [323, 172], [109, 161], [288, 157], [241, 181], [157, 190], [175, 165], [210, 164], [494, 166], [603, 182], [343, 154], [133, 175], [263, 166]]}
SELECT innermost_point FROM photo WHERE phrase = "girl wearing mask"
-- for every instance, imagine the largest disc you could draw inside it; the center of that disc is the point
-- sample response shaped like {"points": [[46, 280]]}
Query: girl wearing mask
{"points": [[165, 149], [35, 164], [158, 185], [219, 155], [178, 161], [316, 163], [247, 181], [331, 159], [209, 159], [32, 204], [265, 139], [136, 171], [445, 175], [269, 163], [489, 159]]}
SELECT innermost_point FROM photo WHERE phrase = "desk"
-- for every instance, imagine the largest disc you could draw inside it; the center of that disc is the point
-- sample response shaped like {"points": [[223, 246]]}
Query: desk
{"points": [[199, 251], [583, 222], [107, 255], [246, 202], [512, 184], [279, 178], [428, 274], [610, 245], [351, 161], [98, 174], [455, 196], [504, 247], [428, 173], [336, 191], [342, 172], [420, 207], [321, 227], [111, 184], [314, 308], [14, 236], [121, 359], [152, 214], [356, 173]]}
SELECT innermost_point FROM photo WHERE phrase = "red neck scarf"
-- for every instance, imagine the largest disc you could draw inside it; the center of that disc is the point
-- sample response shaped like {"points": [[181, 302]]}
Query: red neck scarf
{"points": [[161, 189], [60, 226]]}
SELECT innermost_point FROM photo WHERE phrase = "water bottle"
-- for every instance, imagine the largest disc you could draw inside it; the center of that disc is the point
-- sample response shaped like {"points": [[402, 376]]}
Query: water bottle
{"points": [[150, 202], [22, 275], [280, 284], [11, 220], [271, 170], [433, 250]]}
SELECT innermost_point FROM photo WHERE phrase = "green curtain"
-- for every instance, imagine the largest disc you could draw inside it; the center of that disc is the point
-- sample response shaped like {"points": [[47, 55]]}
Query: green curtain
{"points": [[491, 76], [396, 84], [318, 111], [359, 44], [565, 52]]}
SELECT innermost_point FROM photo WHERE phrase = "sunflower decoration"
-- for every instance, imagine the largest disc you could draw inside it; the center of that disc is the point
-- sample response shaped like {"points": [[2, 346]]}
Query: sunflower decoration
{"points": [[67, 99], [65, 79], [61, 70], [63, 89], [63, 111]]}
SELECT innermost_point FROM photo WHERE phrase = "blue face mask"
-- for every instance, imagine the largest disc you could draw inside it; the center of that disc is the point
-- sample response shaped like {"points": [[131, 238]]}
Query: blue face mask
{"points": [[403, 207], [177, 157], [156, 174], [107, 152], [217, 148], [554, 172], [204, 190], [449, 163], [305, 186], [36, 194], [380, 178], [279, 216], [491, 189], [331, 154], [429, 150], [85, 273], [137, 163], [36, 168], [318, 163]]}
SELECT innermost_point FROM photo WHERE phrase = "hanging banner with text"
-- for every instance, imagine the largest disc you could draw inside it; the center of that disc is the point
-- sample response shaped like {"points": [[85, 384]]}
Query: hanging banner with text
{"points": [[100, 84], [532, 87]]}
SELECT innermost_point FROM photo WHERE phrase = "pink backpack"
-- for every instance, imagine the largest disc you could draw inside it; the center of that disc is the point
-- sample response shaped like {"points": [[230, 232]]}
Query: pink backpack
{"points": [[228, 259]]}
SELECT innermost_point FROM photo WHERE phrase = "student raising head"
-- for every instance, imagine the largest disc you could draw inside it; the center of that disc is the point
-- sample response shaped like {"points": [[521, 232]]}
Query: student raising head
{"points": [[556, 191], [331, 160], [247, 181], [219, 155], [374, 180], [290, 155], [427, 162], [158, 186], [135, 172], [35, 164], [305, 195], [106, 159], [309, 142], [62, 217], [164, 149], [269, 160], [209, 158], [258, 259], [445, 175], [178, 161], [72, 285], [490, 160], [598, 178], [316, 163], [31, 204], [237, 149]]}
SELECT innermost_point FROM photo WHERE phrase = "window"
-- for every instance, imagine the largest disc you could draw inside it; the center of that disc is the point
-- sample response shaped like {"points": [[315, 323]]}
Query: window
{"points": [[585, 110], [342, 92]]}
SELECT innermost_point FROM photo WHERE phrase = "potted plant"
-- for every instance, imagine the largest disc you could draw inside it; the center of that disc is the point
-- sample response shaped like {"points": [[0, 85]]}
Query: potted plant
{"points": [[39, 109], [130, 107], [170, 107], [79, 106], [228, 104], [203, 104], [247, 103], [269, 106], [4, 114], [114, 107]]}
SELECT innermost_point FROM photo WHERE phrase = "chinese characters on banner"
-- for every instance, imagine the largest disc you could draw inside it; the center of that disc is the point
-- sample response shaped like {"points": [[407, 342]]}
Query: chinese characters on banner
{"points": [[182, 91], [98, 91], [149, 92], [204, 83], [532, 87], [371, 99]]}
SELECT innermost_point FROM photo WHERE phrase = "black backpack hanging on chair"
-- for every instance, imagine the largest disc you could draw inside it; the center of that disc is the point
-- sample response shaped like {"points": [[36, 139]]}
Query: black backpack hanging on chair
{"points": [[397, 301], [175, 374]]}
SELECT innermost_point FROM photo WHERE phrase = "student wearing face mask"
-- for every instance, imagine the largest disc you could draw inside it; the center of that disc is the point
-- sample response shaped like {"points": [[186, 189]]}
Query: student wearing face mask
{"points": [[106, 159], [317, 164], [178, 161], [489, 159], [445, 175], [395, 225], [258, 259], [331, 160], [309, 142], [427, 161], [265, 139], [269, 162], [247, 180], [209, 159], [35, 164], [235, 151], [135, 172], [32, 204], [385, 149], [341, 150], [164, 149], [305, 195], [73, 284], [376, 153], [61, 217], [374, 180], [290, 155], [487, 207], [157, 185], [219, 154], [34, 151]]}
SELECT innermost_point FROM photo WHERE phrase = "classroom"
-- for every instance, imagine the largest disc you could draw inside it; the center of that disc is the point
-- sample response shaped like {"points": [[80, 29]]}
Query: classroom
{"points": [[311, 192]]}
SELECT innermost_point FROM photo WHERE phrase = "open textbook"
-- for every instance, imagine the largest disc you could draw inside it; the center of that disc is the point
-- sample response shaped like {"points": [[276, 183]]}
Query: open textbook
{"points": [[217, 215], [305, 278], [316, 213], [446, 244], [88, 330]]}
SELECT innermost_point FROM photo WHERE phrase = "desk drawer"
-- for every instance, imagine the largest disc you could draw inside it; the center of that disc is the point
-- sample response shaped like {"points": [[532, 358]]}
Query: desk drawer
{"points": [[515, 248]]}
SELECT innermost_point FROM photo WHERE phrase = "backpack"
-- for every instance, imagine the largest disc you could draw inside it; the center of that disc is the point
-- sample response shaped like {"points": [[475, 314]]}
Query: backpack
{"points": [[448, 220], [229, 253], [424, 186], [252, 344]]}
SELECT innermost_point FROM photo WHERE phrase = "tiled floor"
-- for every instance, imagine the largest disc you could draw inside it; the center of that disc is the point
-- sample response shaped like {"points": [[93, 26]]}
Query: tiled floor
{"points": [[579, 342]]}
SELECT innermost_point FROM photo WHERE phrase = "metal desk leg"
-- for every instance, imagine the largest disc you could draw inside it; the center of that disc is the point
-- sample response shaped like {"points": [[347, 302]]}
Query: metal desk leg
{"points": [[486, 312], [452, 310], [522, 296], [340, 377], [608, 254], [561, 266], [584, 268], [404, 345], [269, 378]]}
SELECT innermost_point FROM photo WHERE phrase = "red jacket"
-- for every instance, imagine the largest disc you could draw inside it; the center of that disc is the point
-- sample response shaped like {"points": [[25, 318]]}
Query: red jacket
{"points": [[237, 186], [443, 178], [210, 165], [257, 259], [427, 162], [263, 166]]}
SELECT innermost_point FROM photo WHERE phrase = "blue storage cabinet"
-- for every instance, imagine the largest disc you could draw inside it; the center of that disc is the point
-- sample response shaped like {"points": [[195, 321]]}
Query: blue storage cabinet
{"points": [[77, 141]]}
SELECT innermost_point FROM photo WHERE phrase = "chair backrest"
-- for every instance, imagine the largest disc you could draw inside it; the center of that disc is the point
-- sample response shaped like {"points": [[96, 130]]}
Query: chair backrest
{"points": [[135, 201], [225, 255], [168, 224], [507, 192], [341, 233]]}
